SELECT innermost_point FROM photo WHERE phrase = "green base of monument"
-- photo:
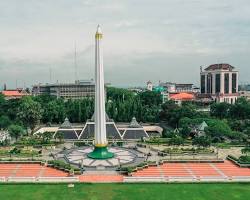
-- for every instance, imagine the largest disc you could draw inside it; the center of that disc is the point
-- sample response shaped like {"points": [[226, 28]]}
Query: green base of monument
{"points": [[100, 153]]}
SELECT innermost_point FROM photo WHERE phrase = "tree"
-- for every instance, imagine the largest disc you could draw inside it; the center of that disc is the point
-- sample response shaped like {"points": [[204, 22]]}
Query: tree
{"points": [[54, 112], [2, 103], [16, 131], [167, 112], [59, 135], [172, 113], [150, 98], [47, 136], [177, 140], [29, 112], [220, 110], [185, 131], [4, 122], [218, 128], [241, 109], [202, 141], [119, 94]]}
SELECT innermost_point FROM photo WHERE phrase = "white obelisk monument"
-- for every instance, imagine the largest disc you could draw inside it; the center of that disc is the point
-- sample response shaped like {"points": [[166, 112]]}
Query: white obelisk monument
{"points": [[100, 151]]}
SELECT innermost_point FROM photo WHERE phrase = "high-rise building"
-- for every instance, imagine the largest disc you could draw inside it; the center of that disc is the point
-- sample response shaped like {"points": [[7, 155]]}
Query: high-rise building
{"points": [[220, 82]]}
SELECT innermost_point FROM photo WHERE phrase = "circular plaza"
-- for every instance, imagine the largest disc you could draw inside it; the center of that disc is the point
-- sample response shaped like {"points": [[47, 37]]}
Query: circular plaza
{"points": [[122, 157]]}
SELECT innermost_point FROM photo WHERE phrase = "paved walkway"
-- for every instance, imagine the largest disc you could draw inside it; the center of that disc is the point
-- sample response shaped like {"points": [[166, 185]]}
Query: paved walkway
{"points": [[101, 178], [29, 170], [226, 171]]}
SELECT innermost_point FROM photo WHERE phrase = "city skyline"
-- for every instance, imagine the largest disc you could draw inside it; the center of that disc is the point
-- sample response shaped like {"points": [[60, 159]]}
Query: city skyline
{"points": [[169, 45]]}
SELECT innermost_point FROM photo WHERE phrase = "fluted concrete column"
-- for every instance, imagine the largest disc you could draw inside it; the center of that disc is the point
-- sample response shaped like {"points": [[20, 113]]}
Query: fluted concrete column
{"points": [[100, 151], [100, 120]]}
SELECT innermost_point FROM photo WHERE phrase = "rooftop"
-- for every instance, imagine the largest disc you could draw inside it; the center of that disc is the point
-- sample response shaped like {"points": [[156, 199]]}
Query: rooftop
{"points": [[182, 96], [221, 66], [9, 93]]}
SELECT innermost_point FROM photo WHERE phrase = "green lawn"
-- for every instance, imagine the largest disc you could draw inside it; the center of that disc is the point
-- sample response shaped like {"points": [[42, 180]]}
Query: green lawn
{"points": [[125, 191]]}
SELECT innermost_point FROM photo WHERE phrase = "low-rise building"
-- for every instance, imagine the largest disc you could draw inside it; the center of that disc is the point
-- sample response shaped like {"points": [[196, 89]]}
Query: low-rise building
{"points": [[149, 86], [15, 94], [178, 87], [178, 98], [245, 94], [77, 90]]}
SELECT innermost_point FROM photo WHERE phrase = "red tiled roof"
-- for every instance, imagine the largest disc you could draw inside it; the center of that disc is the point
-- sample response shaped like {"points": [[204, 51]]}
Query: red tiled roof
{"points": [[182, 96], [12, 93], [223, 66]]}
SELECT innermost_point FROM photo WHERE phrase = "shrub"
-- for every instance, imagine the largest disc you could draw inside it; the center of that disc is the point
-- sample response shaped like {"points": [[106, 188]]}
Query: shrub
{"points": [[244, 159]]}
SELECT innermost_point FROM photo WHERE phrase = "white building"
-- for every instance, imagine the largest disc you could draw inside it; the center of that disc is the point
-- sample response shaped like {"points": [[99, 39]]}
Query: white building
{"points": [[178, 87], [220, 82], [245, 94], [4, 135], [149, 86]]}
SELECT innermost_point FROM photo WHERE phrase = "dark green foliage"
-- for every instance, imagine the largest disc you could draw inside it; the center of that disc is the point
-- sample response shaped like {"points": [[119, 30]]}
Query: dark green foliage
{"points": [[16, 131], [202, 141], [185, 131], [46, 137], [244, 159], [60, 136], [240, 110], [177, 140], [29, 112], [150, 98], [122, 105], [172, 113], [220, 110], [79, 110], [246, 150], [4, 122], [54, 111], [59, 164], [218, 128], [15, 150]]}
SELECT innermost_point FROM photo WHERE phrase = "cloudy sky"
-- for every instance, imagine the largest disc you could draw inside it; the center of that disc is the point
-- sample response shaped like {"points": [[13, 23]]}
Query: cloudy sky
{"points": [[165, 40]]}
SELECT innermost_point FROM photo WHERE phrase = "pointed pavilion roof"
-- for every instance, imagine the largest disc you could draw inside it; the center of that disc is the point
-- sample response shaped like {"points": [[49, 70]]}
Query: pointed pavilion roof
{"points": [[202, 126], [66, 124], [134, 123]]}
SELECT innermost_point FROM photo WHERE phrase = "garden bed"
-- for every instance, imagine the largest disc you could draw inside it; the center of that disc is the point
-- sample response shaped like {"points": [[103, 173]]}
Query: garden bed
{"points": [[241, 162]]}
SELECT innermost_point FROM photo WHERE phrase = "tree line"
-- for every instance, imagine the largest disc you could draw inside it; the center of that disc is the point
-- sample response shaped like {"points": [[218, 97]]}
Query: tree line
{"points": [[224, 120], [121, 105]]}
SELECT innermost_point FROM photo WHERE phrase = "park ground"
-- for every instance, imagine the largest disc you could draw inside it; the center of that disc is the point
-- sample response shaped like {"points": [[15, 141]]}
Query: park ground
{"points": [[203, 191]]}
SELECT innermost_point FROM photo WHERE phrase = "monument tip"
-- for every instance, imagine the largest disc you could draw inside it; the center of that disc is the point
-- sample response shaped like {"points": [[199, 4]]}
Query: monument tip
{"points": [[98, 29]]}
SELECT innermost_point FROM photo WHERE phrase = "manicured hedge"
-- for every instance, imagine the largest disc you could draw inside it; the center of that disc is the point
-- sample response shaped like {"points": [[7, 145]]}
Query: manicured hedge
{"points": [[62, 165]]}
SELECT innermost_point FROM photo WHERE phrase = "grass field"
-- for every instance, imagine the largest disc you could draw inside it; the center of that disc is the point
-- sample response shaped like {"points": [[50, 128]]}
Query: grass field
{"points": [[125, 191]]}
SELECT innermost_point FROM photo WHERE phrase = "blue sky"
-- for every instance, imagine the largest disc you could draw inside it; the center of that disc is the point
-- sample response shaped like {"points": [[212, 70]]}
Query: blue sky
{"points": [[165, 40]]}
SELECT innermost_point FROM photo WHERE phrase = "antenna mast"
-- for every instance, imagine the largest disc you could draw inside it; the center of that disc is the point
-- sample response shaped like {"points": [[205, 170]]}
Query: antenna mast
{"points": [[75, 62], [50, 74]]}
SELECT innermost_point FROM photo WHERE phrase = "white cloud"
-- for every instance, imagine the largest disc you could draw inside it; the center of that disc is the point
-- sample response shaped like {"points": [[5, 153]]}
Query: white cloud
{"points": [[166, 34]]}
